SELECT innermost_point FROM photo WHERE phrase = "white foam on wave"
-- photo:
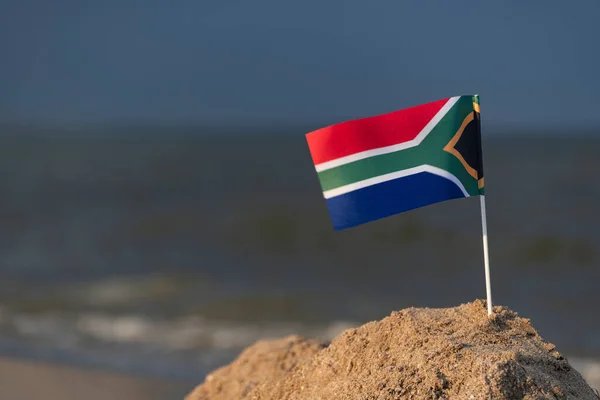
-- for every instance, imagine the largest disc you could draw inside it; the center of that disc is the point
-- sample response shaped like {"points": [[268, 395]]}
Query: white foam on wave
{"points": [[175, 334], [194, 332]]}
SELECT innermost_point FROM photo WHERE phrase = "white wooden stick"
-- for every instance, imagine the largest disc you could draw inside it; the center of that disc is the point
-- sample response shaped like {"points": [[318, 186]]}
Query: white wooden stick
{"points": [[486, 256]]}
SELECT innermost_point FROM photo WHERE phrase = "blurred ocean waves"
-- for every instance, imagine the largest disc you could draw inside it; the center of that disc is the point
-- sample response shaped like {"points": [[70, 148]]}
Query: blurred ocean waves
{"points": [[182, 348], [166, 254]]}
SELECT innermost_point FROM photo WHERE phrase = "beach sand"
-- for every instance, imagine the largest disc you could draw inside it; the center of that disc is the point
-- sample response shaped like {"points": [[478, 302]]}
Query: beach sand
{"points": [[27, 380], [416, 353]]}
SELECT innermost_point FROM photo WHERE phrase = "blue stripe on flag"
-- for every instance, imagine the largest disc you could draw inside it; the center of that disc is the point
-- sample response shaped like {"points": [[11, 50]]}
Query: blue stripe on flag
{"points": [[389, 198]]}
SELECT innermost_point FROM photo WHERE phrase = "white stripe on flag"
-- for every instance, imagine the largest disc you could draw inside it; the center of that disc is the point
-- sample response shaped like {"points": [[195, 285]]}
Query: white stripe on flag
{"points": [[395, 175], [393, 148]]}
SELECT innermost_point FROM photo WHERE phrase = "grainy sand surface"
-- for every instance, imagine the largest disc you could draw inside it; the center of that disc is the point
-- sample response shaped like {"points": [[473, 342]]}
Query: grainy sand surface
{"points": [[416, 353]]}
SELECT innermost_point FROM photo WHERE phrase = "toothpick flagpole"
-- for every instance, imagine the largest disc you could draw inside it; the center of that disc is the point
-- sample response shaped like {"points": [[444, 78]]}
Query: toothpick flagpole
{"points": [[486, 256]]}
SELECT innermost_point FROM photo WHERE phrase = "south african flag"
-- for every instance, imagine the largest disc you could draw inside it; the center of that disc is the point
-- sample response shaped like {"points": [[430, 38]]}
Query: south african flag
{"points": [[375, 167]]}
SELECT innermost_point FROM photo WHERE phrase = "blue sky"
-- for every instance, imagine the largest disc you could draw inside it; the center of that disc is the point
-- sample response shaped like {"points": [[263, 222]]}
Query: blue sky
{"points": [[534, 63]]}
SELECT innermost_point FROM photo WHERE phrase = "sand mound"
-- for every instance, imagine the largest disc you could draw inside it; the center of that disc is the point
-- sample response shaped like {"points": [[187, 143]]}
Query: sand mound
{"points": [[454, 353]]}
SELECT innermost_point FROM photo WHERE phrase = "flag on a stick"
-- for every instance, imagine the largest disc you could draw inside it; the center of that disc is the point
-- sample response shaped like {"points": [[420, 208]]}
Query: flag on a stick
{"points": [[379, 166]]}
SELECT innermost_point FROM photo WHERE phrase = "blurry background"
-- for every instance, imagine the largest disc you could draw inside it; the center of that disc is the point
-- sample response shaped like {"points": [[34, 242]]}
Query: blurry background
{"points": [[159, 209]]}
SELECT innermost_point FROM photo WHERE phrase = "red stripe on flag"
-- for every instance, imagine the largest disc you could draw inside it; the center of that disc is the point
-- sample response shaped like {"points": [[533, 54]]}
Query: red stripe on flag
{"points": [[370, 133]]}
